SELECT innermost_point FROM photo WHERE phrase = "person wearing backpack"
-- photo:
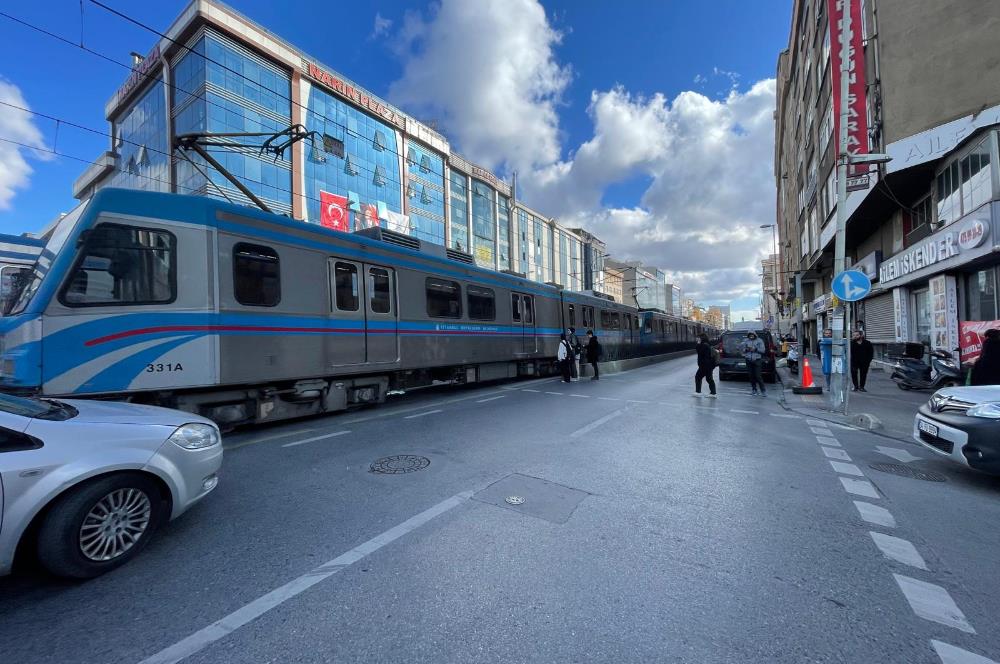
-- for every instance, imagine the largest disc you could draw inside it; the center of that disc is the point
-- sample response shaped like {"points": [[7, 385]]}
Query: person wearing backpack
{"points": [[564, 357], [593, 349], [708, 359]]}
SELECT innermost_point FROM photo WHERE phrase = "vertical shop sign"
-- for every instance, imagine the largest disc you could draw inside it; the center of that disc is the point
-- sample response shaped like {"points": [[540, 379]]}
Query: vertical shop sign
{"points": [[901, 313], [944, 313], [333, 211], [857, 101]]}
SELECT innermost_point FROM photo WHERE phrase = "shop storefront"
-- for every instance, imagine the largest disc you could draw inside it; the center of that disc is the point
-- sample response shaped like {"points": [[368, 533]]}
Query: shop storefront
{"points": [[938, 285]]}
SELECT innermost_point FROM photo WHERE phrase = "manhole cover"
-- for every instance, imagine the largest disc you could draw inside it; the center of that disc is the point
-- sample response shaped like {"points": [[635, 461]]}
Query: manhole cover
{"points": [[515, 500], [906, 471], [401, 463]]}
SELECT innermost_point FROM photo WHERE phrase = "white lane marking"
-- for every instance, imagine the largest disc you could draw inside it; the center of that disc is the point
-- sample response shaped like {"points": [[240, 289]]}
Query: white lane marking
{"points": [[845, 427], [834, 453], [394, 412], [859, 487], [815, 423], [596, 423], [608, 399], [820, 431], [846, 468], [745, 412], [258, 607], [897, 454], [636, 401], [276, 436], [827, 440], [880, 516], [535, 391], [898, 549], [556, 393], [491, 398], [315, 438], [581, 396], [790, 417], [949, 654], [932, 602], [429, 412]]}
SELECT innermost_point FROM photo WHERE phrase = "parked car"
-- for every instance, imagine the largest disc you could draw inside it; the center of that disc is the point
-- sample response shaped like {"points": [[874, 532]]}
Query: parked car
{"points": [[731, 362], [84, 485], [963, 424]]}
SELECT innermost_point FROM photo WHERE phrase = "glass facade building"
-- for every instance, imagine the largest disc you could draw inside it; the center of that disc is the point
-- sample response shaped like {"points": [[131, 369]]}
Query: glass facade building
{"points": [[459, 195], [425, 192], [140, 137], [484, 222]]}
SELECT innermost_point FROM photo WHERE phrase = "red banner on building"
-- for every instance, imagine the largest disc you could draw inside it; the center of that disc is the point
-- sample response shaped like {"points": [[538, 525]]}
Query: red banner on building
{"points": [[333, 211], [857, 101], [971, 337], [371, 215]]}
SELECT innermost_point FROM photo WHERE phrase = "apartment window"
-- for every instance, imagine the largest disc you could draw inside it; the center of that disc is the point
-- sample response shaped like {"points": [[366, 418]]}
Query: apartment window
{"points": [[345, 279], [256, 275], [444, 299], [965, 184], [482, 303]]}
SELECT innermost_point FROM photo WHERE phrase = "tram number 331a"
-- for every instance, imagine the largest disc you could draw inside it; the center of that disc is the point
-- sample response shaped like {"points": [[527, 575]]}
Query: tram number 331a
{"points": [[163, 366]]}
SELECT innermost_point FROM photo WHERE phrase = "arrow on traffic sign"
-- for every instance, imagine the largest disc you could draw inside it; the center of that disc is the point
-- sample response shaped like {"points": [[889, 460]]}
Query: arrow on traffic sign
{"points": [[850, 290]]}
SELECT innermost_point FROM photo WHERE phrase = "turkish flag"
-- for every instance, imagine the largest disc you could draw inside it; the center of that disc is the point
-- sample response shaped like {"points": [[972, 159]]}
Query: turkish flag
{"points": [[371, 215], [333, 211]]}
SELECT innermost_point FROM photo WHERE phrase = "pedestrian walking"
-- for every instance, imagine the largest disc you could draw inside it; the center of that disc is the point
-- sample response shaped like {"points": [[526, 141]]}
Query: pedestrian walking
{"points": [[826, 354], [593, 353], [862, 353], [986, 370], [753, 352], [574, 344], [563, 356], [706, 366]]}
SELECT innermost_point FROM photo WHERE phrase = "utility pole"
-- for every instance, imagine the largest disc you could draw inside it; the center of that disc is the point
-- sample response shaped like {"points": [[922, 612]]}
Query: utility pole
{"points": [[838, 385]]}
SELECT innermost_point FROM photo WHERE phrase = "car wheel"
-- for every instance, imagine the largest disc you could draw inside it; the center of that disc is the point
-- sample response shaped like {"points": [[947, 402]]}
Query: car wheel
{"points": [[99, 525]]}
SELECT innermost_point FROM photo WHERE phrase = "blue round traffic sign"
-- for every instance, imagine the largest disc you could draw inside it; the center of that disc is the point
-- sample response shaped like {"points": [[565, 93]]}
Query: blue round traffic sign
{"points": [[851, 285]]}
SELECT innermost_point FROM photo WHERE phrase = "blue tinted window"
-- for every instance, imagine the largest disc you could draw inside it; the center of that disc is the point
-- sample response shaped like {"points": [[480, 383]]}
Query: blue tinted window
{"points": [[141, 142]]}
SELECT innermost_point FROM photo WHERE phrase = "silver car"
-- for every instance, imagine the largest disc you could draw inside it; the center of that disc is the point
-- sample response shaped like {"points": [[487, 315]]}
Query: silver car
{"points": [[85, 484]]}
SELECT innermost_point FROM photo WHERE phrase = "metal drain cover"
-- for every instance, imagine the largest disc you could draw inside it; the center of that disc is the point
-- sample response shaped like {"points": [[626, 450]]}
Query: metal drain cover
{"points": [[399, 464], [514, 500], [906, 471]]}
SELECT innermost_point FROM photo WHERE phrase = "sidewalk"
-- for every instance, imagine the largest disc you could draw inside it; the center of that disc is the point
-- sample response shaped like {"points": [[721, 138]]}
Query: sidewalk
{"points": [[890, 406]]}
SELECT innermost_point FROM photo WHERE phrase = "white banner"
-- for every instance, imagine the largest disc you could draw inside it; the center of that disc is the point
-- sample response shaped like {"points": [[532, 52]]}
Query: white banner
{"points": [[397, 222]]}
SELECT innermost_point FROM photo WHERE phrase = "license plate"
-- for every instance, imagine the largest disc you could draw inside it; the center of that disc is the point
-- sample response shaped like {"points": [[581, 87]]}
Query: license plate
{"points": [[927, 427]]}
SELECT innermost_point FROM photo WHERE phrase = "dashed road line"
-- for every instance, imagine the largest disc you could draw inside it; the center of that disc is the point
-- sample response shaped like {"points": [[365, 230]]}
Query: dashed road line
{"points": [[949, 654], [834, 453], [535, 391], [880, 516], [820, 431], [596, 423], [264, 439], [790, 417], [608, 399], [636, 401], [258, 607], [815, 423], [932, 602], [846, 468], [315, 438], [581, 396], [745, 412], [429, 412], [827, 440], [491, 398], [859, 487], [558, 394], [898, 549]]}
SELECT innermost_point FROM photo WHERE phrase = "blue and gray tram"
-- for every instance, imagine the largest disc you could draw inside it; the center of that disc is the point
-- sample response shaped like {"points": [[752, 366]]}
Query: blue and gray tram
{"points": [[244, 316]]}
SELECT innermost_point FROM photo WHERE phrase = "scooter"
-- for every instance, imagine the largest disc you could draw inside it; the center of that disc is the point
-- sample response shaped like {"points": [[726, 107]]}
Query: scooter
{"points": [[914, 374]]}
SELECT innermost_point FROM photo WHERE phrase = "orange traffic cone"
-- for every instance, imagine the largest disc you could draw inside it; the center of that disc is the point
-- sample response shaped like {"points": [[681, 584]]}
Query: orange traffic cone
{"points": [[807, 386]]}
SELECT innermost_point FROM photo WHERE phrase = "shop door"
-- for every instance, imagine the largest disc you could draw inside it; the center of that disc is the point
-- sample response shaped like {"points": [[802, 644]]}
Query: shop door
{"points": [[382, 326]]}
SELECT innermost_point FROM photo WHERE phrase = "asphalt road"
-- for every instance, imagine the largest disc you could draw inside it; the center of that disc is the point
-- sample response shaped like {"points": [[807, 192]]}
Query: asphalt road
{"points": [[654, 527]]}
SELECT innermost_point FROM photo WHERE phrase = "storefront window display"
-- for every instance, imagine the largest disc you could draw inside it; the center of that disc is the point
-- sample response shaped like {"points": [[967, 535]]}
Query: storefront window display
{"points": [[922, 315]]}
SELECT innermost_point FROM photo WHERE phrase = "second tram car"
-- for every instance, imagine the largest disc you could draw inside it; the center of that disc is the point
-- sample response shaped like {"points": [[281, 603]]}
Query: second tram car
{"points": [[244, 316]]}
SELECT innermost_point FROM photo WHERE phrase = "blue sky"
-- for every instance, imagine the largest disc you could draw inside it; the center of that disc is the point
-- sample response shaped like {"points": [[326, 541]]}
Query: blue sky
{"points": [[631, 56]]}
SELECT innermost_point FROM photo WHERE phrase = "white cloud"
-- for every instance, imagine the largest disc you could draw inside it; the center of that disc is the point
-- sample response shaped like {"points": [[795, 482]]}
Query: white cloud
{"points": [[487, 72], [17, 126], [382, 26]]}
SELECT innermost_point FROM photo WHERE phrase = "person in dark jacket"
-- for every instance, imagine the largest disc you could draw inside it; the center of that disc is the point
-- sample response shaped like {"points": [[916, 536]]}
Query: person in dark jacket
{"points": [[862, 353], [986, 370], [593, 350], [706, 365]]}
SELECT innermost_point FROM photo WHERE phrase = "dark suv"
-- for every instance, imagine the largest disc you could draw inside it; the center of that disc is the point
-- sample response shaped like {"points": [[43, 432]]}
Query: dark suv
{"points": [[731, 362]]}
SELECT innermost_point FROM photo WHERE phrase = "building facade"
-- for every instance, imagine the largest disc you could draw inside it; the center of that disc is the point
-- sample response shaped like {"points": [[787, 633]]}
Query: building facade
{"points": [[365, 164], [926, 227]]}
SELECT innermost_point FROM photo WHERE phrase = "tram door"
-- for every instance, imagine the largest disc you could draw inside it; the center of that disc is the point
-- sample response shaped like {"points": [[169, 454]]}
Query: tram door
{"points": [[382, 327], [523, 316]]}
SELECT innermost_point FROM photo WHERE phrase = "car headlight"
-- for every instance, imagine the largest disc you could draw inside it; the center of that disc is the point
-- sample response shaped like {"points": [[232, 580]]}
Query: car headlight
{"points": [[988, 410], [195, 436]]}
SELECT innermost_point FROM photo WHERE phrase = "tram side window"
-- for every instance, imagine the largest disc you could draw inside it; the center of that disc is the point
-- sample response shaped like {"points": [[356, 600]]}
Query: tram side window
{"points": [[256, 275], [482, 303], [605, 319], [515, 307], [529, 309], [123, 265], [381, 290], [345, 278], [647, 326], [444, 299], [572, 316]]}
